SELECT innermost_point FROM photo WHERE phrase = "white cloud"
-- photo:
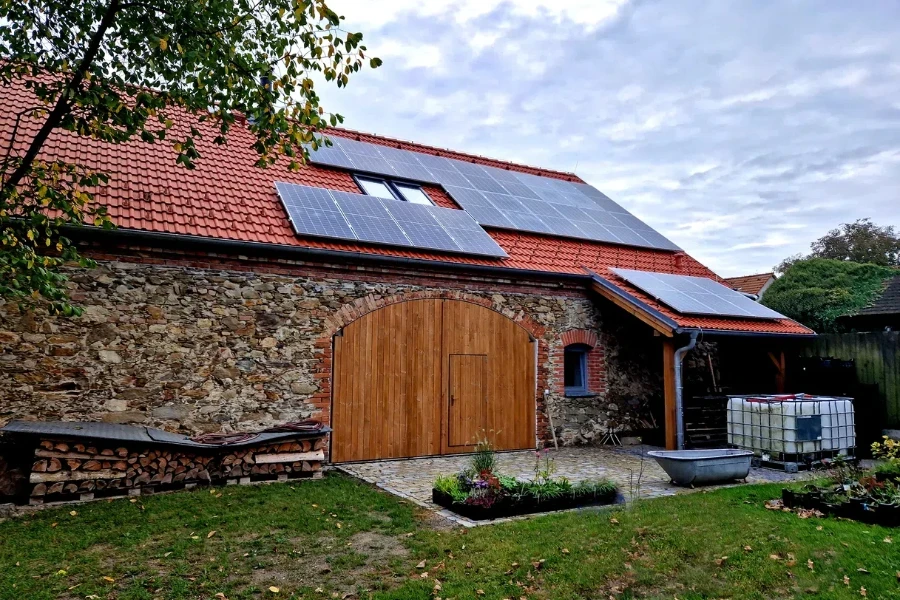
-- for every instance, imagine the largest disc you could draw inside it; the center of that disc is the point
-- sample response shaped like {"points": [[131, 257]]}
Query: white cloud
{"points": [[587, 13], [411, 55], [742, 131]]}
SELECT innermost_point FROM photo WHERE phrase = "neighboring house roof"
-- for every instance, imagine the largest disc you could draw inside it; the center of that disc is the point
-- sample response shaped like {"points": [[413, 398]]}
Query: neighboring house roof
{"points": [[226, 197], [886, 303], [751, 284]]}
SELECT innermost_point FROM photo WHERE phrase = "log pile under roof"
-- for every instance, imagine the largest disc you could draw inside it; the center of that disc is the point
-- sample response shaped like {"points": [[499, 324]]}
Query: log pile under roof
{"points": [[65, 470]]}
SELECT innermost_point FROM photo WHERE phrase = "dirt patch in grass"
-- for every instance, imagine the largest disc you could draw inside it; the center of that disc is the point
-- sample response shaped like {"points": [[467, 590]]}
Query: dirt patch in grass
{"points": [[379, 546], [433, 520], [366, 559]]}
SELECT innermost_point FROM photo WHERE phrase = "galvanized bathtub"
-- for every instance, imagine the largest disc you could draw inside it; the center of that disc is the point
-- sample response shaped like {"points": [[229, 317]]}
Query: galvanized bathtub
{"points": [[687, 467]]}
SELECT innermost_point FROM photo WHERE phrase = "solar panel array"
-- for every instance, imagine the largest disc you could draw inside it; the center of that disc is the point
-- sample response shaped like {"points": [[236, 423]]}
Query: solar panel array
{"points": [[500, 198], [333, 214], [697, 295]]}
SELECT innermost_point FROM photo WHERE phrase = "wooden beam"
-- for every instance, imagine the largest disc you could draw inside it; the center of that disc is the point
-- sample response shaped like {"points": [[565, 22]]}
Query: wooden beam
{"points": [[668, 349], [75, 475], [780, 371], [263, 459], [645, 317]]}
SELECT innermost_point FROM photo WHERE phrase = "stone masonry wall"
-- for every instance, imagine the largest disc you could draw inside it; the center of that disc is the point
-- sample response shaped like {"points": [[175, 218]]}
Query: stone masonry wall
{"points": [[232, 346]]}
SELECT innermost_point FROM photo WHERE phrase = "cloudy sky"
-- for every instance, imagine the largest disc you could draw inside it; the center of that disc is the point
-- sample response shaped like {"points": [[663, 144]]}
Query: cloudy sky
{"points": [[741, 130]]}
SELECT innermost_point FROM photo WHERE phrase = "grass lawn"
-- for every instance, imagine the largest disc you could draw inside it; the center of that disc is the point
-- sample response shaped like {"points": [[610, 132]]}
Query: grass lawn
{"points": [[336, 538]]}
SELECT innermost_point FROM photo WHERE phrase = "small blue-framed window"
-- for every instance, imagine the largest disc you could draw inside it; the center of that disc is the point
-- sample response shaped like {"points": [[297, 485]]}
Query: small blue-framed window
{"points": [[392, 190], [575, 370]]}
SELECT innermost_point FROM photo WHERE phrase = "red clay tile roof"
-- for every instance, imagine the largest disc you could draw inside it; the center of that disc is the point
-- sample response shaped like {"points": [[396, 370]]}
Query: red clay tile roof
{"points": [[227, 197], [750, 284]]}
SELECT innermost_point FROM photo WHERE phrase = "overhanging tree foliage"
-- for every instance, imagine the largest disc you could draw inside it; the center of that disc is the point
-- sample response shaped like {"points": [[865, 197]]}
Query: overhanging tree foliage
{"points": [[816, 291], [118, 70]]}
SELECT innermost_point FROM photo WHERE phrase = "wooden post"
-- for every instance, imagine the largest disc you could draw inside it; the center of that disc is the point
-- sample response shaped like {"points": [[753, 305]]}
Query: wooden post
{"points": [[780, 371], [668, 347]]}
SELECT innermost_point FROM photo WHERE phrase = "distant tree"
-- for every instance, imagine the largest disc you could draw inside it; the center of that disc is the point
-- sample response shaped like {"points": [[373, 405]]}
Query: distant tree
{"points": [[862, 241], [787, 263], [117, 70], [816, 291]]}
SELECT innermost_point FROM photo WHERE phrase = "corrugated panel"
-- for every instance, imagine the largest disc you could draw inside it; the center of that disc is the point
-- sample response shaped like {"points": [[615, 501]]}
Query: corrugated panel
{"points": [[131, 434]]}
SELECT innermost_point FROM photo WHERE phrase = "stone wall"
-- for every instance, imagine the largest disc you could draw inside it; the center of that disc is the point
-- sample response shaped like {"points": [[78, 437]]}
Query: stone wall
{"points": [[234, 347]]}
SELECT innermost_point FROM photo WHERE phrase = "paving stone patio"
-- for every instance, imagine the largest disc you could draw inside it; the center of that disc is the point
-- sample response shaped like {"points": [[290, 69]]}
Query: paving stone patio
{"points": [[412, 478]]}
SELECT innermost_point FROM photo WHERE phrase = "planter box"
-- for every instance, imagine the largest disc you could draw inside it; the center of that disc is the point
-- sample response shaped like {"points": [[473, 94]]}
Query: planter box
{"points": [[857, 509], [509, 507]]}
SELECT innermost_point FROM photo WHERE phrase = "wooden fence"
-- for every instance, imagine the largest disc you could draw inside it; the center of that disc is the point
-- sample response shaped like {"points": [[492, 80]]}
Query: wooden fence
{"points": [[877, 358]]}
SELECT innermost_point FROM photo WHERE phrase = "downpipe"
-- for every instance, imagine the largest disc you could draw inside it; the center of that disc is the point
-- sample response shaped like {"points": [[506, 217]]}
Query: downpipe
{"points": [[679, 390]]}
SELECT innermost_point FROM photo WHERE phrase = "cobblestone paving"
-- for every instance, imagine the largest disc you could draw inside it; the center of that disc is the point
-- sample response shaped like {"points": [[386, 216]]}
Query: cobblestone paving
{"points": [[412, 478]]}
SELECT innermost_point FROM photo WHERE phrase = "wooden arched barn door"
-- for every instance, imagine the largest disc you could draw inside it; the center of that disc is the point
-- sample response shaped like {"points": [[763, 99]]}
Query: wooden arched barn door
{"points": [[428, 377]]}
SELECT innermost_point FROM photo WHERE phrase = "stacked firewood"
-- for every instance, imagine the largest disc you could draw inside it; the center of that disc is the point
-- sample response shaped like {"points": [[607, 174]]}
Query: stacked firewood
{"points": [[76, 468]]}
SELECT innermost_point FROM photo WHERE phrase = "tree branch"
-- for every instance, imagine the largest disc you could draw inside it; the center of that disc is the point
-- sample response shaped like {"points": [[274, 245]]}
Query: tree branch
{"points": [[62, 103]]}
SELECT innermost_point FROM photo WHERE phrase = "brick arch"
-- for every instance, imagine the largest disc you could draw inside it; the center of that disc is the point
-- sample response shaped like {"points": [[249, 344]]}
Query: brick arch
{"points": [[596, 359], [579, 336], [362, 306], [368, 304]]}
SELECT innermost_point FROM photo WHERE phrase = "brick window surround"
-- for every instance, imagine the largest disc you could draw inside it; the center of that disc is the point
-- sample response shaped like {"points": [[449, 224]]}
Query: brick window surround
{"points": [[596, 367]]}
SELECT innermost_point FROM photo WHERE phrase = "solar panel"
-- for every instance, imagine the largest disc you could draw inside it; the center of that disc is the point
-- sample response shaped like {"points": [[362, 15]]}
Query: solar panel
{"points": [[554, 205], [346, 216], [696, 295]]}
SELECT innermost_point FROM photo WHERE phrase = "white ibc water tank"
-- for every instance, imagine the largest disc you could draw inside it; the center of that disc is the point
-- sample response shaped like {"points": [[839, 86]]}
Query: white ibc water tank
{"points": [[791, 424]]}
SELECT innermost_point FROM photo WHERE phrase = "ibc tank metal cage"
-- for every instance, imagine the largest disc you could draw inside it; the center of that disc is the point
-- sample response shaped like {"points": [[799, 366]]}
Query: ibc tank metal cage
{"points": [[797, 428]]}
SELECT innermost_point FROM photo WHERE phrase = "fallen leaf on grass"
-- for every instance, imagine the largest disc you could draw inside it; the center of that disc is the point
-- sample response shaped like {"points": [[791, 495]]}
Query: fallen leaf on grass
{"points": [[775, 557], [819, 528], [776, 504], [479, 592], [108, 578], [809, 564], [863, 571], [614, 521], [565, 550], [74, 513], [862, 591], [846, 581], [421, 565], [721, 561], [748, 549], [210, 534], [221, 596], [274, 589], [888, 540]]}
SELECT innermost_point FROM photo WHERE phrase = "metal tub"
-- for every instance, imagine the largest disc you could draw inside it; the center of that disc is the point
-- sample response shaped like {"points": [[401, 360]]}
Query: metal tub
{"points": [[687, 467]]}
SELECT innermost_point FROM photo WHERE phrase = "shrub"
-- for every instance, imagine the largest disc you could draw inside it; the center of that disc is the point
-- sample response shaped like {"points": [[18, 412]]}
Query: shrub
{"points": [[450, 485], [817, 291], [484, 459], [598, 488]]}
